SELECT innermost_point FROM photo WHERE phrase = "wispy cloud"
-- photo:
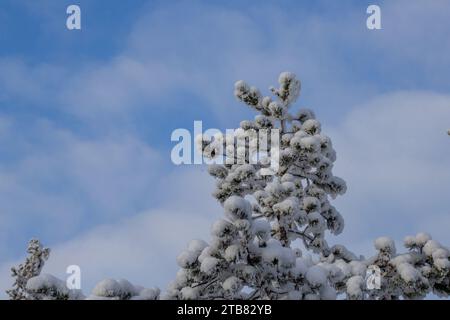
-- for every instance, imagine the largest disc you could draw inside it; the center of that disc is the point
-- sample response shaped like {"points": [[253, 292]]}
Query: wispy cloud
{"points": [[393, 152], [81, 139], [141, 248], [60, 183]]}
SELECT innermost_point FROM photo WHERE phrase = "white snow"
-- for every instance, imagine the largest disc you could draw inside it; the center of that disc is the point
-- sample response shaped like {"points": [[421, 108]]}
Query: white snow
{"points": [[422, 238], [300, 268], [408, 272], [275, 253], [221, 227], [237, 208], [440, 253], [385, 244], [261, 227], [317, 223], [295, 295], [311, 144], [197, 246], [217, 171], [286, 77], [187, 258], [287, 206], [274, 188], [311, 126], [398, 260], [327, 293], [46, 282], [181, 277], [232, 253], [311, 204], [409, 241], [430, 246], [128, 288], [443, 264], [345, 267], [277, 109], [305, 114], [289, 87], [232, 284], [107, 288], [354, 286], [207, 252], [316, 276], [209, 265], [312, 296], [189, 293], [147, 294]]}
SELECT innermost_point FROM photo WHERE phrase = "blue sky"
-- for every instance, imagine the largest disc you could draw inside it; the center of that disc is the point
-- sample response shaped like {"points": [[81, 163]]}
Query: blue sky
{"points": [[86, 118]]}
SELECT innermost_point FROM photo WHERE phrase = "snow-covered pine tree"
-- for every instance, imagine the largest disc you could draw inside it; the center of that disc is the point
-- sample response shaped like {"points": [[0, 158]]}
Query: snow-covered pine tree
{"points": [[30, 268], [254, 252], [250, 255], [29, 284]]}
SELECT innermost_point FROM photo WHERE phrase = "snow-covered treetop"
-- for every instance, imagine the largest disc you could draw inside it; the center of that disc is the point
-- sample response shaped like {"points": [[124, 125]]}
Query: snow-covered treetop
{"points": [[253, 252], [30, 284], [30, 268]]}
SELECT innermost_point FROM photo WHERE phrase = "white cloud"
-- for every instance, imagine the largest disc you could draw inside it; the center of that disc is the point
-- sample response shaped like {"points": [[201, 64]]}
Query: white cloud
{"points": [[393, 152], [141, 248], [59, 182], [407, 21], [161, 59], [24, 83]]}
